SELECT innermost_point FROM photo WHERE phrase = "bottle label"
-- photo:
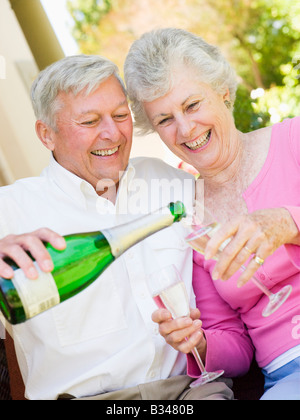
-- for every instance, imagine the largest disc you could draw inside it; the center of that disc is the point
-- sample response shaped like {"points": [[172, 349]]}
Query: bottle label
{"points": [[36, 295]]}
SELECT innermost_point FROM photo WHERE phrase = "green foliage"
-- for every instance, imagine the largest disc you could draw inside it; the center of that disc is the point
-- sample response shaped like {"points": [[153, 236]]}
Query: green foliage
{"points": [[246, 118], [86, 15], [259, 37]]}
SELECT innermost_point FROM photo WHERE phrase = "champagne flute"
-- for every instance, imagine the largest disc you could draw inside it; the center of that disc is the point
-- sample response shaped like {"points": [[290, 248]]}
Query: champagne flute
{"points": [[168, 291], [201, 234]]}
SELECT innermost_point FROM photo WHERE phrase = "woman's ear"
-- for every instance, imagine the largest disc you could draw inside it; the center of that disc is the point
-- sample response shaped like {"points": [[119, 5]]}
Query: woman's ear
{"points": [[226, 96], [45, 134], [226, 99]]}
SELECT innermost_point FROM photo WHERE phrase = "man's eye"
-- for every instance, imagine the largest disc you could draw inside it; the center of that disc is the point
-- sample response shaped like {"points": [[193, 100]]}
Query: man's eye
{"points": [[121, 117], [89, 122]]}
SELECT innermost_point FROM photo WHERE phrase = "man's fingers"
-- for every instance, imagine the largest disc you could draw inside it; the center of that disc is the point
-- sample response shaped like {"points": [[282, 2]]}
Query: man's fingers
{"points": [[48, 235], [15, 247], [39, 251], [22, 260], [5, 270]]}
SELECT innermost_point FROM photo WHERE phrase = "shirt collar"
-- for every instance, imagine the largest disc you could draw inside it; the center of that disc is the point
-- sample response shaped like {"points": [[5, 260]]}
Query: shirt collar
{"points": [[79, 189]]}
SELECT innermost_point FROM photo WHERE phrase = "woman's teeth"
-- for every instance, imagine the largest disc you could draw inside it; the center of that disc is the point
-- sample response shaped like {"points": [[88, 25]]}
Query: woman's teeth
{"points": [[108, 152], [202, 141]]}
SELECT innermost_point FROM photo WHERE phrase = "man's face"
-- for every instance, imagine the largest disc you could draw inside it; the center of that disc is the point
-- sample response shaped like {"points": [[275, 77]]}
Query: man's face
{"points": [[94, 133]]}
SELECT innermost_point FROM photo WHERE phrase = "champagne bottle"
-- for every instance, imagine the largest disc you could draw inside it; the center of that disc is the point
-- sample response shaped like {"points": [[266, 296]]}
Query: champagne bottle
{"points": [[86, 256]]}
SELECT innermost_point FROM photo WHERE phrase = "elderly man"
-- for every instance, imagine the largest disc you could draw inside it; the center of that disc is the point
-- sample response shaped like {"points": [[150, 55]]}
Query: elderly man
{"points": [[102, 343]]}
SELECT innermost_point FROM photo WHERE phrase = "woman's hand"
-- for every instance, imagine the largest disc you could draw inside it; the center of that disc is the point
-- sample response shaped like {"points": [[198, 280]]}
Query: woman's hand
{"points": [[175, 331], [15, 247], [259, 233]]}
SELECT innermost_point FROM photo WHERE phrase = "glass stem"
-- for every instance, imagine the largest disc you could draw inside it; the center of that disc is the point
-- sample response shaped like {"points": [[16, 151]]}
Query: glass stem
{"points": [[260, 285], [198, 359]]}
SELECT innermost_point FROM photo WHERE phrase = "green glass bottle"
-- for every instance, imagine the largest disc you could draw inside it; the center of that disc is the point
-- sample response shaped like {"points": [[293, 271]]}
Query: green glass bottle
{"points": [[86, 256]]}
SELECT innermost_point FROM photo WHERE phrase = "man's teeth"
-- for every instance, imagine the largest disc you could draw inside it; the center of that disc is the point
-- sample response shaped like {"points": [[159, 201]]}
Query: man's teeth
{"points": [[108, 152], [202, 141]]}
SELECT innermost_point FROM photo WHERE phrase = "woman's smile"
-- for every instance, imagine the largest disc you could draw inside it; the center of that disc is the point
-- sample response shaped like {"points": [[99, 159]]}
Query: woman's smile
{"points": [[200, 142]]}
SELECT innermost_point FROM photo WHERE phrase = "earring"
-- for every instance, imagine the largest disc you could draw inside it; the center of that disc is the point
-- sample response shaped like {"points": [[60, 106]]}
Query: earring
{"points": [[227, 104]]}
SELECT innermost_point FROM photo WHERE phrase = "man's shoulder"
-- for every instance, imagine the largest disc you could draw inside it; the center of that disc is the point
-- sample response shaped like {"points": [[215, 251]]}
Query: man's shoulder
{"points": [[22, 187], [30, 183], [155, 166]]}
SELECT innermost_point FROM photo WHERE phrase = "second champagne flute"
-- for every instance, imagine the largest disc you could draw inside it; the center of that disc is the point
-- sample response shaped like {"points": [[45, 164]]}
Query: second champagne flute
{"points": [[168, 291], [201, 234]]}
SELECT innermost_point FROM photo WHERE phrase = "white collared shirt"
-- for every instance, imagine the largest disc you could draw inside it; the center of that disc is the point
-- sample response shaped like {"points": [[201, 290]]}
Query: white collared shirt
{"points": [[102, 339]]}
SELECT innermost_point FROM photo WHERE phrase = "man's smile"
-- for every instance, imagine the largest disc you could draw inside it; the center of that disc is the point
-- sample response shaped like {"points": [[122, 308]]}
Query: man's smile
{"points": [[105, 152]]}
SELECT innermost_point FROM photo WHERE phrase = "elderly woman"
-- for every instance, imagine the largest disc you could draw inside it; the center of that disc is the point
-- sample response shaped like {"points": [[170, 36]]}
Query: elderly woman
{"points": [[183, 88]]}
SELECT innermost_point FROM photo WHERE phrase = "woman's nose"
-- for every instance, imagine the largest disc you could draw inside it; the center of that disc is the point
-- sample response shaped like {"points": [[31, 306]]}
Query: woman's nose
{"points": [[185, 127]]}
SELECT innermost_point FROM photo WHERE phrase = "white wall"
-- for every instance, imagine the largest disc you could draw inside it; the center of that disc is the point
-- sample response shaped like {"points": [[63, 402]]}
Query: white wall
{"points": [[21, 153]]}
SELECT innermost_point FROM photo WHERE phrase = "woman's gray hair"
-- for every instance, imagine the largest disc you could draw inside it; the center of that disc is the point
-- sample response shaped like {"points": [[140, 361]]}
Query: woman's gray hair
{"points": [[71, 74], [152, 58]]}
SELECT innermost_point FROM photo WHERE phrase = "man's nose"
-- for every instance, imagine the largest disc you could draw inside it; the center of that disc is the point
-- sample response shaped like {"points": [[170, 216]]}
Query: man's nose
{"points": [[108, 129]]}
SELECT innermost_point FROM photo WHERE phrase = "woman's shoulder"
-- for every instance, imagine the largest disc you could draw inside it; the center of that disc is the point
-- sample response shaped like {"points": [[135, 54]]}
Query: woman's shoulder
{"points": [[258, 142], [289, 126], [264, 135]]}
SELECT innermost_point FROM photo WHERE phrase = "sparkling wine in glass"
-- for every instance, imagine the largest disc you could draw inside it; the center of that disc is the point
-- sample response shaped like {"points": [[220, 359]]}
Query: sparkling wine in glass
{"points": [[168, 291], [201, 234]]}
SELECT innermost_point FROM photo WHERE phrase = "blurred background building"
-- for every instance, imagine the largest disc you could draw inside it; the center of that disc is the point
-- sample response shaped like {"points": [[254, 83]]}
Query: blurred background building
{"points": [[20, 152], [27, 45]]}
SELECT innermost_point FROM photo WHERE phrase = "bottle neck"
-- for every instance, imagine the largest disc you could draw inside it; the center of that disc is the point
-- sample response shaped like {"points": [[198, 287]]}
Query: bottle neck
{"points": [[125, 236]]}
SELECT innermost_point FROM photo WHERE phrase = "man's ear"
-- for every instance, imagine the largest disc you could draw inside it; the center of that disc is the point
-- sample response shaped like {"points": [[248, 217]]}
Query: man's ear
{"points": [[45, 134]]}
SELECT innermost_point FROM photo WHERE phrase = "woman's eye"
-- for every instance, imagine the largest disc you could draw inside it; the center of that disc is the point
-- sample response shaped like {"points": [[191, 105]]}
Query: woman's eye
{"points": [[164, 121], [194, 106]]}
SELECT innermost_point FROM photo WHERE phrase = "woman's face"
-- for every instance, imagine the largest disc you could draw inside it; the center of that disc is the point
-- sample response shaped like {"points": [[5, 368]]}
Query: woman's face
{"points": [[194, 122]]}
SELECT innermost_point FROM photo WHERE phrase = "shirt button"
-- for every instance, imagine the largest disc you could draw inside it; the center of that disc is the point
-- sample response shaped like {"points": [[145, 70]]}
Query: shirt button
{"points": [[152, 374], [262, 277]]}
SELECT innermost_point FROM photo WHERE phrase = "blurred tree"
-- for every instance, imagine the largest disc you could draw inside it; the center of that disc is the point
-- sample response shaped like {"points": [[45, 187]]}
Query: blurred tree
{"points": [[259, 37], [265, 41], [87, 14]]}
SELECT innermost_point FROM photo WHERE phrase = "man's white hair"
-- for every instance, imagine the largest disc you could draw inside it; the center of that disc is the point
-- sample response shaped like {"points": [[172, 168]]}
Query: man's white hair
{"points": [[72, 74]]}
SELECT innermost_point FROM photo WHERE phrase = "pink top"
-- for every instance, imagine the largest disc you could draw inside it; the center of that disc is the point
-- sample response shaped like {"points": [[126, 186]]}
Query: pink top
{"points": [[223, 305]]}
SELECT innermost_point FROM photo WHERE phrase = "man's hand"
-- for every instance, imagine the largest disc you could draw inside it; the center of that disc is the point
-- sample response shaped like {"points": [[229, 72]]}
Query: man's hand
{"points": [[15, 247], [184, 333]]}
